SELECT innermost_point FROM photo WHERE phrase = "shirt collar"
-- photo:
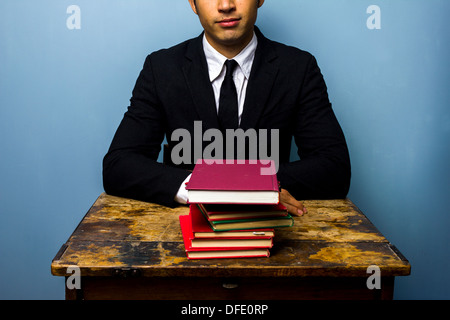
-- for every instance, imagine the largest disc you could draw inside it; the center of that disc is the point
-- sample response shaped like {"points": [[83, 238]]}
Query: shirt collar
{"points": [[216, 60]]}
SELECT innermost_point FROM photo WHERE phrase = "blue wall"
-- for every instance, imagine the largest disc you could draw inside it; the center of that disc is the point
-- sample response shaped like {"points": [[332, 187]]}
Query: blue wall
{"points": [[63, 93]]}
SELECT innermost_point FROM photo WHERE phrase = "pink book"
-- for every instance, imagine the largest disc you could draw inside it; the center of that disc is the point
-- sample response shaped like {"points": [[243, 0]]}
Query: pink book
{"points": [[233, 181]]}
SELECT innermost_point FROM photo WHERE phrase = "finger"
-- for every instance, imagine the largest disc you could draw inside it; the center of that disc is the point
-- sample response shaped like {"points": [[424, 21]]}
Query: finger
{"points": [[293, 210], [286, 197], [294, 206]]}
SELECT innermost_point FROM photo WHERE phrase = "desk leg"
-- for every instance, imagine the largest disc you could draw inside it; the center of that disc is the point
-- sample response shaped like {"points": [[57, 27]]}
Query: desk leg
{"points": [[74, 294], [387, 289]]}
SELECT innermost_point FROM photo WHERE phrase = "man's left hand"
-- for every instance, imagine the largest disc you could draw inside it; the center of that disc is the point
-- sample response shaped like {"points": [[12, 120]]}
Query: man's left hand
{"points": [[293, 206]]}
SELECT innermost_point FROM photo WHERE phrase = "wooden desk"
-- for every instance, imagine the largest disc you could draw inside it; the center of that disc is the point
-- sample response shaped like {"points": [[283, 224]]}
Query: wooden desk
{"points": [[128, 249]]}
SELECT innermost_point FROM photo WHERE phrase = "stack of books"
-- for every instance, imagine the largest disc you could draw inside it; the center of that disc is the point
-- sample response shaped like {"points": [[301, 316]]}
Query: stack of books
{"points": [[233, 210]]}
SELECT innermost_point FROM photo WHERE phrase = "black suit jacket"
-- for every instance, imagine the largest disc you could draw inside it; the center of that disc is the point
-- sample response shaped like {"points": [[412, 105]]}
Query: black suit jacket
{"points": [[286, 91]]}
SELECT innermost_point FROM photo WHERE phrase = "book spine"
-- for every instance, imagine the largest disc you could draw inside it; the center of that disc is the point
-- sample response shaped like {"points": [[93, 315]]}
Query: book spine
{"points": [[262, 255], [287, 217]]}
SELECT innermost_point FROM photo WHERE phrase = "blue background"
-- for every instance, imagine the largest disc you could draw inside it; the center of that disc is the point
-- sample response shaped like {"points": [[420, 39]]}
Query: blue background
{"points": [[63, 93]]}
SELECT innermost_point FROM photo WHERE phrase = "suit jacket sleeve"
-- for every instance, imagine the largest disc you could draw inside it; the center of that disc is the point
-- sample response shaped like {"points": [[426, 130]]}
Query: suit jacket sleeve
{"points": [[323, 170], [130, 168]]}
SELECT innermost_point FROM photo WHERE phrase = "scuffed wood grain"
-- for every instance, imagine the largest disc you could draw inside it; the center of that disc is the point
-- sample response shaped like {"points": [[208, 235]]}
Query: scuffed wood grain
{"points": [[333, 239]]}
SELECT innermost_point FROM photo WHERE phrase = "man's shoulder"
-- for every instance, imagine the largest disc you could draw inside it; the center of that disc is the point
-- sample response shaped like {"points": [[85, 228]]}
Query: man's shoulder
{"points": [[174, 52], [290, 52], [283, 51]]}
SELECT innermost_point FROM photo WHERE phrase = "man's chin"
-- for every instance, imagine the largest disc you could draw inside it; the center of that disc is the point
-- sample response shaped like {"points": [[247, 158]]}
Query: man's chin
{"points": [[233, 38]]}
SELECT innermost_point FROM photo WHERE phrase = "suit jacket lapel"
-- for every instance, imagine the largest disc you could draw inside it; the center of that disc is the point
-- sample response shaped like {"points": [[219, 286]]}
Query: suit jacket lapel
{"points": [[261, 80], [195, 70]]}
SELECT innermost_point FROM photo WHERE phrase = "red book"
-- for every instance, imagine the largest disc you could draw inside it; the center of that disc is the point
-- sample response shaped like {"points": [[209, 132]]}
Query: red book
{"points": [[224, 242], [233, 181], [215, 252]]}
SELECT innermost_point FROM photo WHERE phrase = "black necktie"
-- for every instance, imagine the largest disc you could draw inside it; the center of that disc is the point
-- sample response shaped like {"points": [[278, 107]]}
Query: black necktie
{"points": [[228, 103]]}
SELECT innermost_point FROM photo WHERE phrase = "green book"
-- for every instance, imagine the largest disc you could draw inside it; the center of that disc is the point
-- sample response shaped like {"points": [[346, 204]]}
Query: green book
{"points": [[254, 223]]}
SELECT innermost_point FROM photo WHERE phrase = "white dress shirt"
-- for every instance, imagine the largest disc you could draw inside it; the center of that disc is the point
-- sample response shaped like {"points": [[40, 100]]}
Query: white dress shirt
{"points": [[217, 70], [241, 74]]}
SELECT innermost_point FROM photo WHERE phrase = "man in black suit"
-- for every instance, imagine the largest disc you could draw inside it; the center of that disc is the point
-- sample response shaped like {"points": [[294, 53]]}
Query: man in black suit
{"points": [[277, 88]]}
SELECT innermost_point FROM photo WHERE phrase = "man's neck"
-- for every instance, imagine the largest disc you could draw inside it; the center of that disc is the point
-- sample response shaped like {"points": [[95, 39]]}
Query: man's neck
{"points": [[229, 51]]}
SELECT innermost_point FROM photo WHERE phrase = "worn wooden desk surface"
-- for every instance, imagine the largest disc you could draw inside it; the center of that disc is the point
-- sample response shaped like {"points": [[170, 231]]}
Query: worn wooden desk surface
{"points": [[131, 249]]}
